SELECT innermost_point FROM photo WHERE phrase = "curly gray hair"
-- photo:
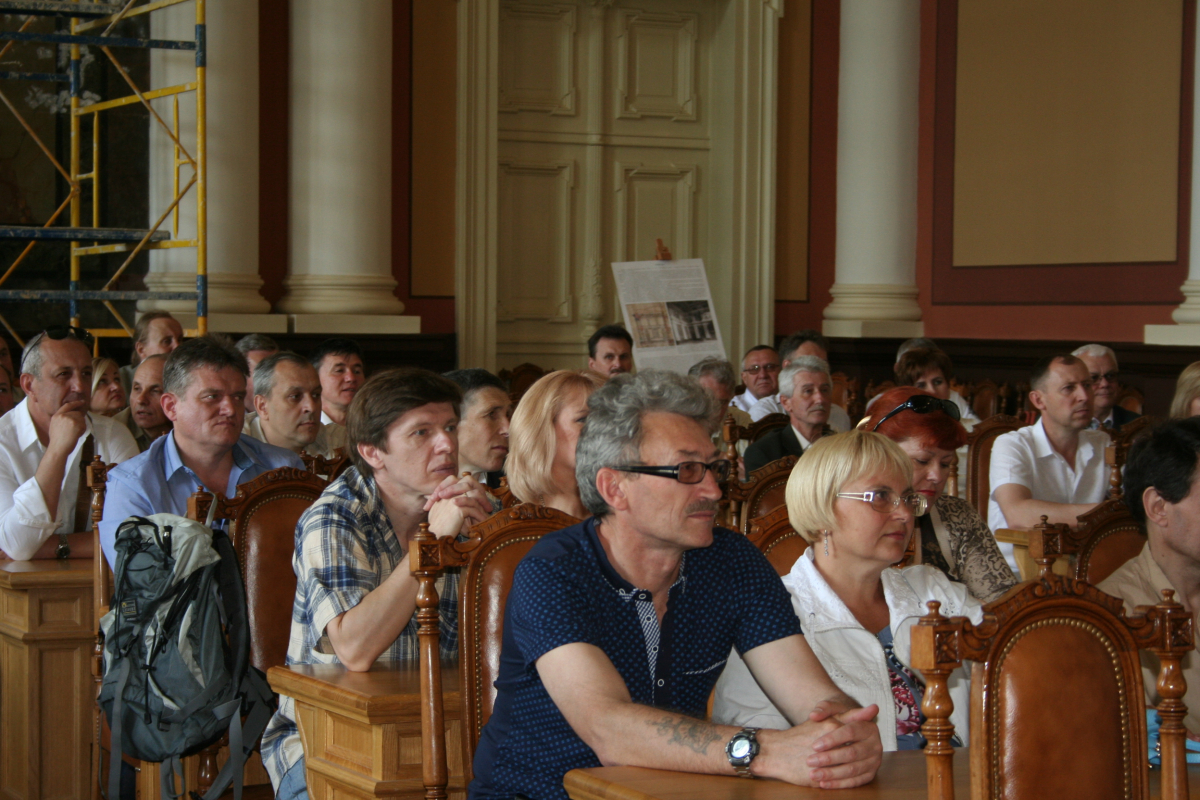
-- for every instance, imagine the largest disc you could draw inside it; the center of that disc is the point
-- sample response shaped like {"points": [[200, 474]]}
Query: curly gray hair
{"points": [[614, 429], [797, 365]]}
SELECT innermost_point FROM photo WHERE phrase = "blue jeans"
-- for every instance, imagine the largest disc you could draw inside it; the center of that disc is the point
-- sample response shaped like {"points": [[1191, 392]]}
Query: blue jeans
{"points": [[294, 786]]}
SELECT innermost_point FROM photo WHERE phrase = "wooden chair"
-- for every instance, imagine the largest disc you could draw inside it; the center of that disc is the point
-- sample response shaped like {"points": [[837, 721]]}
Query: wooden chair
{"points": [[1131, 399], [1057, 702], [520, 378], [328, 468], [262, 527], [985, 399], [760, 494], [1106, 537], [732, 433], [504, 494], [979, 457], [774, 535], [488, 559]]}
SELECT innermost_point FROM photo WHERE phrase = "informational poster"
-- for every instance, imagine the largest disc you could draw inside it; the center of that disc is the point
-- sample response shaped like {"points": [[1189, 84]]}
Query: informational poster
{"points": [[669, 312]]}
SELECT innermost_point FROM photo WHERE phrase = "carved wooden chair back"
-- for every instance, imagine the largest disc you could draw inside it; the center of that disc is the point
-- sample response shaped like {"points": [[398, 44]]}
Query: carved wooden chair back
{"points": [[262, 526], [845, 389], [1046, 646], [328, 468], [762, 493], [979, 457], [985, 400], [1131, 399], [488, 559], [520, 378], [1117, 452], [732, 433], [102, 578], [504, 494], [1105, 538], [774, 535]]}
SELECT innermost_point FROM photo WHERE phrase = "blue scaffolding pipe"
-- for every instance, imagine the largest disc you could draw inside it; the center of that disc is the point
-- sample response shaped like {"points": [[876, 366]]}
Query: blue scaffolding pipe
{"points": [[88, 294], [97, 41], [49, 8], [27, 232]]}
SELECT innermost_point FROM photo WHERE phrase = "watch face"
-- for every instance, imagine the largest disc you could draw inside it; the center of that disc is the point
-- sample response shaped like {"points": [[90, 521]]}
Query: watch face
{"points": [[739, 748]]}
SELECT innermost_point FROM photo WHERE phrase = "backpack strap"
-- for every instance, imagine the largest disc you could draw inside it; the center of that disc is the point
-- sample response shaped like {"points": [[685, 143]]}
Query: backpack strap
{"points": [[114, 764]]}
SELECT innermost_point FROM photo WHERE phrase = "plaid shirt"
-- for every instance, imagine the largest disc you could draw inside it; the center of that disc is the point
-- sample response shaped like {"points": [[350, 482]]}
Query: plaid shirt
{"points": [[345, 548]]}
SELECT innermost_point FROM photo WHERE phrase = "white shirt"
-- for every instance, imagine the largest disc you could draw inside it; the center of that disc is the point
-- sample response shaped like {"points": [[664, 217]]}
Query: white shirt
{"points": [[805, 443], [849, 652], [330, 436], [745, 401], [25, 522], [326, 419], [1026, 458], [839, 420]]}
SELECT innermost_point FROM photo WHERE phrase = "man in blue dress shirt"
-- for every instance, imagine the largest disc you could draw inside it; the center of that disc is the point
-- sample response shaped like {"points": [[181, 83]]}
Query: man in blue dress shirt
{"points": [[204, 391], [616, 629]]}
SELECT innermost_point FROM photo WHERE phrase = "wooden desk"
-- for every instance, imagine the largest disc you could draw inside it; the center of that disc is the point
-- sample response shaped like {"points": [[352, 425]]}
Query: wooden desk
{"points": [[362, 730], [46, 690], [901, 777]]}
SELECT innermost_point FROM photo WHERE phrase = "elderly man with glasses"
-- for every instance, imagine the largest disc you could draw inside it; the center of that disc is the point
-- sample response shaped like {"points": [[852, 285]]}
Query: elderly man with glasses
{"points": [[47, 441], [617, 628], [1101, 363]]}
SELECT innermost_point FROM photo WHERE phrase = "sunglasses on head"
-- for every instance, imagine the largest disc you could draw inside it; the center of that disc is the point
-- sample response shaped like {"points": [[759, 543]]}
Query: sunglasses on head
{"points": [[60, 332], [922, 404]]}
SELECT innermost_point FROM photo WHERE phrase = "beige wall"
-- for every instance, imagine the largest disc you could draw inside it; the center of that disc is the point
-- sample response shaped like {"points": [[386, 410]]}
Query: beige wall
{"points": [[433, 143], [1067, 127], [791, 233]]}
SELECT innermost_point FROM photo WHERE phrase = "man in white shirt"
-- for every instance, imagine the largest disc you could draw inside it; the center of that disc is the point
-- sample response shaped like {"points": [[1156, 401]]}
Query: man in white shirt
{"points": [[1055, 467], [43, 445], [806, 391], [802, 343], [339, 364], [760, 374], [287, 408]]}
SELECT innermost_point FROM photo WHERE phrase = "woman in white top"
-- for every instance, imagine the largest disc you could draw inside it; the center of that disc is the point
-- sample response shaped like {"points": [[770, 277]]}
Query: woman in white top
{"points": [[851, 497]]}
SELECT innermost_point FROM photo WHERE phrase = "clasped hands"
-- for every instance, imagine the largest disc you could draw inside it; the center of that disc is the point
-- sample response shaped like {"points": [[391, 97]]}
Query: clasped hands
{"points": [[456, 504], [833, 749]]}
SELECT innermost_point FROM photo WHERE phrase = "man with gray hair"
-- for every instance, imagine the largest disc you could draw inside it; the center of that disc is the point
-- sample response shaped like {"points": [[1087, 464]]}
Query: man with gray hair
{"points": [[806, 393], [1101, 363], [589, 673], [802, 343], [45, 444], [204, 389], [715, 376], [255, 347], [287, 403]]}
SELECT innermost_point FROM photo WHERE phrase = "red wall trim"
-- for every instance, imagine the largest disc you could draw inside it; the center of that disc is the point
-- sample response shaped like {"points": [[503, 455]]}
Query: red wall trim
{"points": [[1058, 284]]}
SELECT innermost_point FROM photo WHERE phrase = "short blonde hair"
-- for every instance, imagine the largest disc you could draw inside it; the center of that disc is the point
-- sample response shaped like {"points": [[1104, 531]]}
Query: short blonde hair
{"points": [[99, 367], [827, 466], [531, 438], [1187, 389]]}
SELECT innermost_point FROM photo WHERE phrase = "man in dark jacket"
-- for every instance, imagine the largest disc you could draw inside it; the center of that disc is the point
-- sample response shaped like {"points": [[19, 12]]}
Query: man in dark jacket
{"points": [[806, 394]]}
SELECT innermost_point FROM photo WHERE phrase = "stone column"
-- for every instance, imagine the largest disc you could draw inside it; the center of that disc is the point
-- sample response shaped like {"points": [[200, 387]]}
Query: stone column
{"points": [[232, 118], [341, 163], [875, 292], [1186, 331]]}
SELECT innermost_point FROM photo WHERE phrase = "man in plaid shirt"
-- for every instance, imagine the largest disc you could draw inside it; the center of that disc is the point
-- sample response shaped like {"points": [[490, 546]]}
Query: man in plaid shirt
{"points": [[355, 596]]}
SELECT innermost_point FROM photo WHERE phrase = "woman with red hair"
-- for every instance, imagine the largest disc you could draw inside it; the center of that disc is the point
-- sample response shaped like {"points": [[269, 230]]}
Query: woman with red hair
{"points": [[951, 535]]}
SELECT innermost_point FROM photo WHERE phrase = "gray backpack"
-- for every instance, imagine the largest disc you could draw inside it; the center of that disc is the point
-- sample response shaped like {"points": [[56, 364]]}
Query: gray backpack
{"points": [[176, 652]]}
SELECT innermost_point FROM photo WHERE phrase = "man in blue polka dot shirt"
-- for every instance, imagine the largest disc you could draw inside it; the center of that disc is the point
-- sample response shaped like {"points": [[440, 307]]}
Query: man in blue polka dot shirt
{"points": [[617, 628]]}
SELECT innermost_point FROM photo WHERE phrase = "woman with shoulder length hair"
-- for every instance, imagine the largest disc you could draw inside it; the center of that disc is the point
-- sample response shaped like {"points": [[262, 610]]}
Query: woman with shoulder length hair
{"points": [[541, 440], [951, 535], [931, 370], [108, 396], [1186, 402], [851, 497]]}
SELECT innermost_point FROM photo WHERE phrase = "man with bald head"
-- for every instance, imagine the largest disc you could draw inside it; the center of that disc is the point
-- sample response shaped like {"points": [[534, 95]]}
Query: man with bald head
{"points": [[144, 417], [45, 444]]}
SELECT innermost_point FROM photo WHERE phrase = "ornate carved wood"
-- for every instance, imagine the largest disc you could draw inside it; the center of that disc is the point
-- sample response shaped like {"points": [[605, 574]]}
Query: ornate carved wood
{"points": [[760, 494], [979, 457], [774, 535], [487, 559], [1036, 624], [1105, 538], [504, 494], [328, 468]]}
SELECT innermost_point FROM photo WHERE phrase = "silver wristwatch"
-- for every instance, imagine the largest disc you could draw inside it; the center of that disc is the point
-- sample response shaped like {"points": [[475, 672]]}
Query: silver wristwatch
{"points": [[741, 750]]}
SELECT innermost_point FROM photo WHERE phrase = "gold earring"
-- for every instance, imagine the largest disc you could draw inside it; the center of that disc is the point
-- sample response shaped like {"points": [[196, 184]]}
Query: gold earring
{"points": [[826, 542]]}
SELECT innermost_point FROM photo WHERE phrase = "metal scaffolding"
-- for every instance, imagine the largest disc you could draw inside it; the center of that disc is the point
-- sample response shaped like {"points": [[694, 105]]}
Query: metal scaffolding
{"points": [[92, 24]]}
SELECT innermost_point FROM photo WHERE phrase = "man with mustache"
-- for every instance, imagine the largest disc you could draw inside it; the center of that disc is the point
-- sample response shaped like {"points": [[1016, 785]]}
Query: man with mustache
{"points": [[806, 394], [287, 403], [617, 628], [1055, 467], [760, 373], [204, 393], [45, 444], [144, 417], [355, 594], [801, 343]]}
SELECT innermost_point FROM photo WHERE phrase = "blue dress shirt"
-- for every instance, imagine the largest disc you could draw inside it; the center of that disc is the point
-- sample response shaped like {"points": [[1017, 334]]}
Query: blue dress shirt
{"points": [[157, 482]]}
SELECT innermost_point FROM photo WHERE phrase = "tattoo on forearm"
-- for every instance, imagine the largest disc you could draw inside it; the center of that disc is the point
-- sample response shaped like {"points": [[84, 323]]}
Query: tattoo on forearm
{"points": [[690, 733]]}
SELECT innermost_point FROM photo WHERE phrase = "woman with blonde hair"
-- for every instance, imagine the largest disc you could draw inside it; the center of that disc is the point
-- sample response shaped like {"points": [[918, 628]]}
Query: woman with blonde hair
{"points": [[851, 497], [1186, 402], [108, 395], [541, 440]]}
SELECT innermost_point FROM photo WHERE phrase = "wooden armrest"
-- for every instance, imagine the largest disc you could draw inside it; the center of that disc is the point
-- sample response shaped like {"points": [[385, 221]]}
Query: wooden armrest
{"points": [[1015, 536]]}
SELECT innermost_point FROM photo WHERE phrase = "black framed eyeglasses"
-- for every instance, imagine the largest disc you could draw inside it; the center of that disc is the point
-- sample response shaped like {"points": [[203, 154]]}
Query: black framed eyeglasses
{"points": [[884, 501], [757, 368], [58, 333], [1112, 376], [922, 404], [687, 471]]}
